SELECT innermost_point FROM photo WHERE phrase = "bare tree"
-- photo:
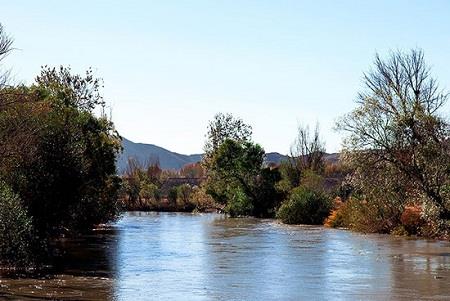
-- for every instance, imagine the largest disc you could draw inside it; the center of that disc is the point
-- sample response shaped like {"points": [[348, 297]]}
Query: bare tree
{"points": [[398, 125], [307, 154], [5, 47], [308, 149]]}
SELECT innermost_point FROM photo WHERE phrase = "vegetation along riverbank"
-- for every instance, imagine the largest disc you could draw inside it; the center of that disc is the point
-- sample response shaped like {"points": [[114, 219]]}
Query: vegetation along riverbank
{"points": [[58, 153]]}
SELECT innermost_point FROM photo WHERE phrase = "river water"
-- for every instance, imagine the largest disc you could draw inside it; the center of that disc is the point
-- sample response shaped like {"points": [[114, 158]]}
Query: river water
{"points": [[175, 256]]}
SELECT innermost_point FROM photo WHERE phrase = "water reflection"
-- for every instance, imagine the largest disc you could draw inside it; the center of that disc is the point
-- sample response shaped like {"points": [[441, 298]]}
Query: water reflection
{"points": [[160, 256], [83, 270]]}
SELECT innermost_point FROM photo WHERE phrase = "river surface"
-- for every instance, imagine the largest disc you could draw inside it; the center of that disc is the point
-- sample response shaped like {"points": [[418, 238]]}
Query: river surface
{"points": [[175, 256]]}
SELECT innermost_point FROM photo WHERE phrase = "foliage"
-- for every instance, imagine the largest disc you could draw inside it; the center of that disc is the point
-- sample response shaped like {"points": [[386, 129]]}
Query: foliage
{"points": [[192, 170], [306, 154], [201, 199], [223, 127], [305, 206], [267, 196], [239, 204], [397, 132], [5, 47], [368, 216], [172, 196], [71, 183], [16, 229], [65, 173], [184, 197], [237, 178], [149, 191]]}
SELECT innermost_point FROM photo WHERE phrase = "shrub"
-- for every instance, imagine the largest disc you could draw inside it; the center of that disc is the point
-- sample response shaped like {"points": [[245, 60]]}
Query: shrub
{"points": [[15, 229], [411, 218], [334, 220], [368, 216], [149, 191], [305, 206], [239, 203], [184, 200], [172, 196], [201, 199]]}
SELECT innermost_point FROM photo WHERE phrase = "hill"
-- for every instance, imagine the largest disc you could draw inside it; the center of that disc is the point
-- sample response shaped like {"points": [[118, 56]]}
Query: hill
{"points": [[142, 152], [171, 160]]}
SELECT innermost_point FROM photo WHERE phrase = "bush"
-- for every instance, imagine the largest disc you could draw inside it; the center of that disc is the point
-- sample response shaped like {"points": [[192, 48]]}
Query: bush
{"points": [[172, 196], [305, 206], [184, 200], [149, 191], [239, 203], [15, 229], [368, 216], [202, 200]]}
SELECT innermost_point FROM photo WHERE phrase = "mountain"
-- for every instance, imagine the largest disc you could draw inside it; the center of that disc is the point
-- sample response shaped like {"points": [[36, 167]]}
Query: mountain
{"points": [[144, 152], [172, 160], [275, 157]]}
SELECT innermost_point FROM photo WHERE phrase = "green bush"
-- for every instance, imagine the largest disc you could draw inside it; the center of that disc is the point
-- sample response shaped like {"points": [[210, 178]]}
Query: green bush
{"points": [[149, 191], [15, 229], [172, 196], [184, 198], [239, 203], [305, 206]]}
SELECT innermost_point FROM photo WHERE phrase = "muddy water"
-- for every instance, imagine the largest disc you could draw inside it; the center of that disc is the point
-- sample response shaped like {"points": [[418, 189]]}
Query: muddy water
{"points": [[170, 256]]}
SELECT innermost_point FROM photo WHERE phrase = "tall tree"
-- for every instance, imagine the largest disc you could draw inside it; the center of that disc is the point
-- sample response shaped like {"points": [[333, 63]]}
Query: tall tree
{"points": [[225, 126], [399, 128], [5, 47], [306, 154]]}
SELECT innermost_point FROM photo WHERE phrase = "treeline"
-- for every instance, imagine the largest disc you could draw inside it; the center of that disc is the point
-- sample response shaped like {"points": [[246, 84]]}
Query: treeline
{"points": [[393, 175], [299, 190], [57, 161], [147, 187]]}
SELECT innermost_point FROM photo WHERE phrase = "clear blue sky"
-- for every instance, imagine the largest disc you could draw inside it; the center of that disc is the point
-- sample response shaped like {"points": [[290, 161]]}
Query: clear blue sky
{"points": [[169, 66]]}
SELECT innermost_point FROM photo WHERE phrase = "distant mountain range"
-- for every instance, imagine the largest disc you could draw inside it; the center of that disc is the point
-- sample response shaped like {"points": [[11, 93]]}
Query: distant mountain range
{"points": [[144, 152], [171, 160]]}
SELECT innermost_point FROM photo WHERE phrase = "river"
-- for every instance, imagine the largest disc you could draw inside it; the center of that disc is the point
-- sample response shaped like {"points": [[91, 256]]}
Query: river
{"points": [[176, 256]]}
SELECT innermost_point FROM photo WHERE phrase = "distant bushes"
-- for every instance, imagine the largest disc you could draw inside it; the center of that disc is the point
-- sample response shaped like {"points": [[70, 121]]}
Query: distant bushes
{"points": [[305, 206], [148, 187]]}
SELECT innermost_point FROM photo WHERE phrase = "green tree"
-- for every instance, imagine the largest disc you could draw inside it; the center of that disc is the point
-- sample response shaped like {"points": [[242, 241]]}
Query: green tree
{"points": [[238, 179], [223, 127], [305, 206], [16, 229], [70, 182]]}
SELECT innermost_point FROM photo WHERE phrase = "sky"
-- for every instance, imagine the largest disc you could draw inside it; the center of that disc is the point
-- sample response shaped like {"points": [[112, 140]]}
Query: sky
{"points": [[169, 66]]}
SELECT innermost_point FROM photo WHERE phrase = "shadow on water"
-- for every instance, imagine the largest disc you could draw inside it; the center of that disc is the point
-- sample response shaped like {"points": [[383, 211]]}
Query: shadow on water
{"points": [[83, 269]]}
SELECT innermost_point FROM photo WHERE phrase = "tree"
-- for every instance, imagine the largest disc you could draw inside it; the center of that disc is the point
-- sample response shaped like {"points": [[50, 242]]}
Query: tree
{"points": [[70, 182], [5, 47], [306, 154], [16, 230], [192, 170], [238, 179], [398, 132], [223, 127]]}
